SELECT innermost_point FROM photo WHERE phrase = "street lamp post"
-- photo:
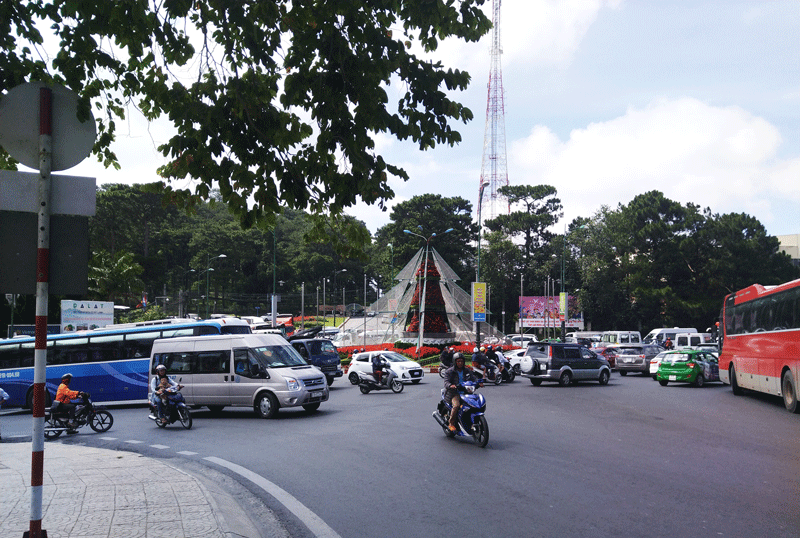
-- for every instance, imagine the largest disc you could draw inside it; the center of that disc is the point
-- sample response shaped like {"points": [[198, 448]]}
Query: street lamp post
{"points": [[334, 293], [208, 278], [478, 268], [565, 299], [424, 283]]}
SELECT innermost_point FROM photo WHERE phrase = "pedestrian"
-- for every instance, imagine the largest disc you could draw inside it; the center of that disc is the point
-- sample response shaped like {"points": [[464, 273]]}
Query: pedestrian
{"points": [[4, 397]]}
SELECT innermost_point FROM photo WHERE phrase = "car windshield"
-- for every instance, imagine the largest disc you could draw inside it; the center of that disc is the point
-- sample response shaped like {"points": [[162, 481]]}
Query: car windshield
{"points": [[277, 356], [394, 357]]}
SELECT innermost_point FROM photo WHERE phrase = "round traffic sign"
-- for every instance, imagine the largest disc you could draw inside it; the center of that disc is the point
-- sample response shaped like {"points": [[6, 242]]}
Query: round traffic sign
{"points": [[72, 140]]}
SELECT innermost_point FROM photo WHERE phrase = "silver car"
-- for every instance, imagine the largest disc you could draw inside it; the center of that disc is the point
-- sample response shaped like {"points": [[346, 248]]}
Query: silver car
{"points": [[635, 358]]}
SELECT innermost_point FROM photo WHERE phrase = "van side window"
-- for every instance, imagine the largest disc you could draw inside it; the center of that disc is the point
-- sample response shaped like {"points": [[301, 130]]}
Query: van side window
{"points": [[212, 362], [176, 363], [572, 353]]}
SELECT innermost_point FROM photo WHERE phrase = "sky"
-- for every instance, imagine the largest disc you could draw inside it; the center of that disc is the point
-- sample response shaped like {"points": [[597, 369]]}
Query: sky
{"points": [[605, 100]]}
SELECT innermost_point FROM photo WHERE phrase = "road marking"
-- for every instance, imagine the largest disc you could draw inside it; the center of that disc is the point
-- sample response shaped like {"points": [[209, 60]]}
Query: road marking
{"points": [[187, 453], [134, 441], [160, 447], [309, 518], [109, 438]]}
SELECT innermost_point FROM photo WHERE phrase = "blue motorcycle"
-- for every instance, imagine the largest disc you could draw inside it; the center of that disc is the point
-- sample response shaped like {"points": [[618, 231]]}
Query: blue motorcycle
{"points": [[471, 419]]}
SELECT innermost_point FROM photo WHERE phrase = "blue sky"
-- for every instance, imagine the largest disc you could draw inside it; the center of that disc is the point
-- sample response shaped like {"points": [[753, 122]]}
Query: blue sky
{"points": [[609, 99]]}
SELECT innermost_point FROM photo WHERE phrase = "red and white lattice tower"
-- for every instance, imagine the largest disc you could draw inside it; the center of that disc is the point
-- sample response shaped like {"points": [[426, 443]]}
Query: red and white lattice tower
{"points": [[493, 167]]}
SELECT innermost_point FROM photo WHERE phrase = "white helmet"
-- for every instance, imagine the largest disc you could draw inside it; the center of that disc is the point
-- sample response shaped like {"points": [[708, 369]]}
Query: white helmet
{"points": [[474, 349]]}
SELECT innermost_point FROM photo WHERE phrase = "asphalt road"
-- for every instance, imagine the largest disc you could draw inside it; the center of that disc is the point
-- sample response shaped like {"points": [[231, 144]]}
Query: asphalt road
{"points": [[628, 459]]}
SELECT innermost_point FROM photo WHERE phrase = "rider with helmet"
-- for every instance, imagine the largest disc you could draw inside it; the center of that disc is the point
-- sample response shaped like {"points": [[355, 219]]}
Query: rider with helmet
{"points": [[480, 361], [446, 358], [65, 396], [456, 376], [158, 384], [378, 364]]}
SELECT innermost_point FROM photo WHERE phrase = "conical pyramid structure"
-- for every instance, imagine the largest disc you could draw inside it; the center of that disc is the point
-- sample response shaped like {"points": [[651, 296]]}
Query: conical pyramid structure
{"points": [[445, 315]]}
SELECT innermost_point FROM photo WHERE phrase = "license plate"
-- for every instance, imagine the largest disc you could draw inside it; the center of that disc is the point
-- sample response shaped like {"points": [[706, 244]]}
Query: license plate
{"points": [[673, 378], [627, 360]]}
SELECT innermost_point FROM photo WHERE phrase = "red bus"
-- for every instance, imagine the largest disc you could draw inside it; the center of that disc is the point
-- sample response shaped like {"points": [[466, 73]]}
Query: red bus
{"points": [[760, 344]]}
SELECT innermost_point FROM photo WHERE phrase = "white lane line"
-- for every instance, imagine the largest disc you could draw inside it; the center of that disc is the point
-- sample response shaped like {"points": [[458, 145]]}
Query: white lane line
{"points": [[309, 518], [160, 447], [187, 453], [108, 438], [134, 442]]}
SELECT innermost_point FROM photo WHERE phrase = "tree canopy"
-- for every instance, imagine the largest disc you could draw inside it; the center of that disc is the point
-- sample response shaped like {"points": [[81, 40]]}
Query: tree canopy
{"points": [[275, 104]]}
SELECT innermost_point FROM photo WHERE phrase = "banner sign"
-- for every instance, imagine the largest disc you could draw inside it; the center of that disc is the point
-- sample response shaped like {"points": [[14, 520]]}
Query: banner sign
{"points": [[479, 301], [85, 315], [546, 312]]}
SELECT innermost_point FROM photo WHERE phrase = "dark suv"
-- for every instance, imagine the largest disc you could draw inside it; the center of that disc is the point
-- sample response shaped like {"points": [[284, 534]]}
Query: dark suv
{"points": [[318, 351], [564, 363]]}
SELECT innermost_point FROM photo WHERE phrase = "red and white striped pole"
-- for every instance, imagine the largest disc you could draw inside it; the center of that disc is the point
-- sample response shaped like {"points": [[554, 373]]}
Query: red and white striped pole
{"points": [[42, 296]]}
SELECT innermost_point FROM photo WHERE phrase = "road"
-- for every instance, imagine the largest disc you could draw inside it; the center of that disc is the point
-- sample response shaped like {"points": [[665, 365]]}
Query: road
{"points": [[628, 459]]}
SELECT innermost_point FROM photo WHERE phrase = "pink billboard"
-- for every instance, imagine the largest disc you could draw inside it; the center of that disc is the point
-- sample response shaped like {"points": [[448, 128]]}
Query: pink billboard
{"points": [[544, 312]]}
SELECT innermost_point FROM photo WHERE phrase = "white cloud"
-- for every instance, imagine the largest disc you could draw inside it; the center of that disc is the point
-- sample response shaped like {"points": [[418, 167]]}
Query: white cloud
{"points": [[720, 157]]}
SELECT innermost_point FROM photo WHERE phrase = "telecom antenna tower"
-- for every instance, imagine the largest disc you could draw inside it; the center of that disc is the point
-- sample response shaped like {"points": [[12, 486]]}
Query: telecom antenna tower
{"points": [[493, 166]]}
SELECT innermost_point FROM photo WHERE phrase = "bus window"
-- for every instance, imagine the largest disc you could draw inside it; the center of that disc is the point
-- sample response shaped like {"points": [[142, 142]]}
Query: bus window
{"points": [[139, 345], [106, 348]]}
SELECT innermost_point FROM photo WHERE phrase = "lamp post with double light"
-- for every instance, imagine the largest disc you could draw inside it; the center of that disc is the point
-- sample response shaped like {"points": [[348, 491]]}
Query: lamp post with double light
{"points": [[424, 282], [478, 267], [209, 259]]}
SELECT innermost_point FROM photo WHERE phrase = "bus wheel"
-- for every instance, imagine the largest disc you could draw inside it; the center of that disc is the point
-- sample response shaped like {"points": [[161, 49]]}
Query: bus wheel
{"points": [[48, 399], [789, 394], [737, 390]]}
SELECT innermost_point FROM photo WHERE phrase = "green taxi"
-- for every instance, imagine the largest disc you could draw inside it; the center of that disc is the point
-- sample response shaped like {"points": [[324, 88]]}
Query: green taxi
{"points": [[688, 366]]}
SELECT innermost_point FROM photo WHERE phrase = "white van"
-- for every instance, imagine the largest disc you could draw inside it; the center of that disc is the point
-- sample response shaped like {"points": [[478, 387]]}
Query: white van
{"points": [[659, 336], [620, 337], [691, 340], [262, 371]]}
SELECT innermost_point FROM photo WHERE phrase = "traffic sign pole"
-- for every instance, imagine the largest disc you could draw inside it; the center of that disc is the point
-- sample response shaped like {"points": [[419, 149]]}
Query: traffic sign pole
{"points": [[42, 289]]}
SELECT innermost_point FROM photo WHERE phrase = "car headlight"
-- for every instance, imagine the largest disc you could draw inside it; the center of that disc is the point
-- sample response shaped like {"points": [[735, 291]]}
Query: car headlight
{"points": [[292, 383]]}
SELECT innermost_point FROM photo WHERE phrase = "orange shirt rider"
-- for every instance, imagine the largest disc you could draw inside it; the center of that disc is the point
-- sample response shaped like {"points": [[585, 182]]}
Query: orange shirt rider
{"points": [[64, 395]]}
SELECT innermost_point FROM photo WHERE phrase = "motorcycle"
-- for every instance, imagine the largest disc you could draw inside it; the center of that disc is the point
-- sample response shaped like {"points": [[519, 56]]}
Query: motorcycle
{"points": [[175, 409], [492, 374], [471, 419], [367, 382], [508, 374], [443, 369], [57, 421]]}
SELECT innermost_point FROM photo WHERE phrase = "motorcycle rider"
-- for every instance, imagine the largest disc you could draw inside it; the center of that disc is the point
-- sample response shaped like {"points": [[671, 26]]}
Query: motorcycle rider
{"points": [[446, 358], [481, 362], [65, 396], [494, 359], [156, 391], [456, 376], [377, 367]]}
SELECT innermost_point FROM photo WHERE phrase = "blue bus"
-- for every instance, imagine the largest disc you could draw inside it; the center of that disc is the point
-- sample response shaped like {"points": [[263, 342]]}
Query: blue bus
{"points": [[110, 363]]}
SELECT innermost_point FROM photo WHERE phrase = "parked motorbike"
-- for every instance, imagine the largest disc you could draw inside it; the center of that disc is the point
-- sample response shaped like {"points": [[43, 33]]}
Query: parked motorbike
{"points": [[57, 421], [175, 409], [389, 380], [471, 419]]}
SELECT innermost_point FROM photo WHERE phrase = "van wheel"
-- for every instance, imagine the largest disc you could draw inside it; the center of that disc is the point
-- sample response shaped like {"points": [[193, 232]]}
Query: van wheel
{"points": [[330, 380], [311, 407], [623, 372], [536, 382], [267, 405], [216, 408]]}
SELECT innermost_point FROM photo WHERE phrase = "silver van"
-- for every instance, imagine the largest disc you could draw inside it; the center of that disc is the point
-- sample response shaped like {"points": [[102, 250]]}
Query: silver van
{"points": [[262, 371]]}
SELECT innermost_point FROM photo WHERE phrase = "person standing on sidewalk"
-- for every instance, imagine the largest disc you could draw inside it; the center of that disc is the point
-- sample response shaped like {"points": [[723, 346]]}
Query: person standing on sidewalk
{"points": [[4, 397]]}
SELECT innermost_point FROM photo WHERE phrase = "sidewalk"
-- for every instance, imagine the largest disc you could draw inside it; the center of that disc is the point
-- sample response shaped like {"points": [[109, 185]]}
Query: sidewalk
{"points": [[99, 493]]}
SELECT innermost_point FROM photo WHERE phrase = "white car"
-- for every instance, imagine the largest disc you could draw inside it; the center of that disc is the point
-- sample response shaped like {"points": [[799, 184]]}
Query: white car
{"points": [[519, 361], [654, 362], [407, 370]]}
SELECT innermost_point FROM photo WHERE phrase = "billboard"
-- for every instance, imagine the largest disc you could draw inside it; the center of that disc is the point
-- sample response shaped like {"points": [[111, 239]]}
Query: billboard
{"points": [[479, 301], [85, 315], [546, 312]]}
